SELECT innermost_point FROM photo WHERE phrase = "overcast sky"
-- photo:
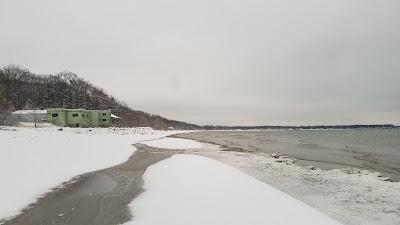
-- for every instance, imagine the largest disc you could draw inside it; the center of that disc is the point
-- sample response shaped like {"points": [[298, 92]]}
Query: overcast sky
{"points": [[229, 62]]}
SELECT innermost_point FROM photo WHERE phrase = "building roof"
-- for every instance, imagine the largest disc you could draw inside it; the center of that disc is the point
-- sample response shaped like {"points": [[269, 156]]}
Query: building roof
{"points": [[74, 110], [29, 111], [115, 117]]}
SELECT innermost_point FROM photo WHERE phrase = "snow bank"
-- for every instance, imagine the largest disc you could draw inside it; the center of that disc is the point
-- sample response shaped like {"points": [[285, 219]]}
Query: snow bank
{"points": [[32, 161], [351, 196], [173, 143], [191, 190]]}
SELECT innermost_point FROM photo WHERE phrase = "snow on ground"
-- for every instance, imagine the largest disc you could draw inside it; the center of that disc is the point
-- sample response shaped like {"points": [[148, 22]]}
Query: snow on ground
{"points": [[32, 161], [195, 190], [351, 196], [173, 143], [32, 125]]}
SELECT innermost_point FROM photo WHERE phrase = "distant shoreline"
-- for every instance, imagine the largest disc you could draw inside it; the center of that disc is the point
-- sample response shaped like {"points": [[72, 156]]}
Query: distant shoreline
{"points": [[318, 127], [325, 150]]}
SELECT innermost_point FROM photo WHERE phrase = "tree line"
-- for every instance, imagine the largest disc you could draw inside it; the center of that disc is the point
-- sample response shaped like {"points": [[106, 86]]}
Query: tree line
{"points": [[22, 89]]}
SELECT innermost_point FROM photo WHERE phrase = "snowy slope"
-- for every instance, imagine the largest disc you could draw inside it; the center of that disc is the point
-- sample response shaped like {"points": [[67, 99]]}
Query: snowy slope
{"points": [[195, 190], [32, 161]]}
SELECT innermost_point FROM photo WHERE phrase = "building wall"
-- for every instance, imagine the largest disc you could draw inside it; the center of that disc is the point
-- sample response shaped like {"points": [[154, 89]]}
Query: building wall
{"points": [[29, 117], [108, 121], [100, 118], [57, 117], [79, 117], [105, 118], [94, 118]]}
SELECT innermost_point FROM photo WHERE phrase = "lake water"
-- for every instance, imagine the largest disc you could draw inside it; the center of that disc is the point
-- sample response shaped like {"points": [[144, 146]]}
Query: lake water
{"points": [[372, 149]]}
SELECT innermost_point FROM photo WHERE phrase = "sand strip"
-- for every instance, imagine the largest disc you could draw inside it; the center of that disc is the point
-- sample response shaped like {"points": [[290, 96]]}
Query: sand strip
{"points": [[99, 197]]}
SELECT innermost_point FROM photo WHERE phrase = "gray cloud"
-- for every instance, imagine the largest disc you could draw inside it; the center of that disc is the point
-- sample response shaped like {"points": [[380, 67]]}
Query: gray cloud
{"points": [[221, 62]]}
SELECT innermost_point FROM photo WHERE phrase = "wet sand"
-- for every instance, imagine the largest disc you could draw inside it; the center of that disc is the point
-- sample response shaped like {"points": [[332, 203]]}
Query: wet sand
{"points": [[99, 197]]}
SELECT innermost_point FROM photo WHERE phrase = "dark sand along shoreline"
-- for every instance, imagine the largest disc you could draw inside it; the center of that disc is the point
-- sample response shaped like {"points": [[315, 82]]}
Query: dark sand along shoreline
{"points": [[99, 197]]}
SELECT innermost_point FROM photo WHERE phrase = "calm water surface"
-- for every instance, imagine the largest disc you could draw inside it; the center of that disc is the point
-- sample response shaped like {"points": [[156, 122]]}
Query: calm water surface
{"points": [[373, 149]]}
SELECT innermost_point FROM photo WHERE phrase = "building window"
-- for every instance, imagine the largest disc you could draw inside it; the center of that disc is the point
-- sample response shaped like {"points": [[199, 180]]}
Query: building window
{"points": [[75, 115], [83, 115], [104, 114], [54, 115], [104, 120]]}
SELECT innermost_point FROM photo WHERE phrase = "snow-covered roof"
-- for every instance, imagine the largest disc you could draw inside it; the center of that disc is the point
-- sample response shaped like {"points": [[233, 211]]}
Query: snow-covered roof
{"points": [[114, 116], [20, 112]]}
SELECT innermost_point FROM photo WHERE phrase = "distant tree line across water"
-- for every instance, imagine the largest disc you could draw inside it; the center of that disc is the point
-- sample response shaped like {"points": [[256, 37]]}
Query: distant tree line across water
{"points": [[22, 89], [318, 127]]}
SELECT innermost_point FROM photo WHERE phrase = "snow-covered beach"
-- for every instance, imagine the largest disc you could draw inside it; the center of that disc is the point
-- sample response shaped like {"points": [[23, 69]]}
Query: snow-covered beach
{"points": [[350, 195], [34, 161], [187, 189], [175, 181]]}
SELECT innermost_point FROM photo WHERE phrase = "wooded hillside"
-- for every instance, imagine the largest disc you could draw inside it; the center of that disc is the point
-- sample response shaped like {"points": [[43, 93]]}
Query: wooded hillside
{"points": [[21, 89]]}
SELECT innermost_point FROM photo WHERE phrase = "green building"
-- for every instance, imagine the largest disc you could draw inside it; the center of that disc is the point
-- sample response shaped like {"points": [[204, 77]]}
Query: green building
{"points": [[79, 117], [57, 116], [100, 118]]}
